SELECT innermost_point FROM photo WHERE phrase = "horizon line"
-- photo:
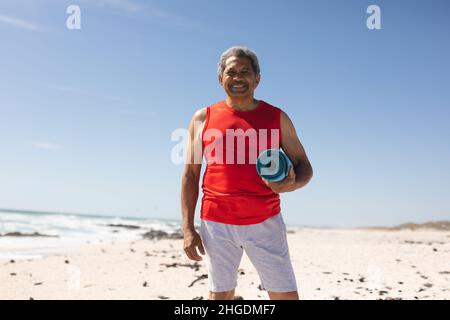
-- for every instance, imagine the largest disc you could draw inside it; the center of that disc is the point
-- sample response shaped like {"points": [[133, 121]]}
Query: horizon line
{"points": [[97, 215]]}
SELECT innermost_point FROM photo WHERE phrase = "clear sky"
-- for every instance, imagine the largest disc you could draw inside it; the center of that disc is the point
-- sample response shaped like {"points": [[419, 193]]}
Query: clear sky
{"points": [[86, 115]]}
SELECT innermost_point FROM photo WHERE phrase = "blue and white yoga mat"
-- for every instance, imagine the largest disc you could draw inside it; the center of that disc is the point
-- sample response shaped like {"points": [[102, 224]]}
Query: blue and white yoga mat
{"points": [[273, 165]]}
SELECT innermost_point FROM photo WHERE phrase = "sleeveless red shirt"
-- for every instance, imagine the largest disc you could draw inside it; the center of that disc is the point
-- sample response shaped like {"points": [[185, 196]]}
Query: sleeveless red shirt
{"points": [[233, 192]]}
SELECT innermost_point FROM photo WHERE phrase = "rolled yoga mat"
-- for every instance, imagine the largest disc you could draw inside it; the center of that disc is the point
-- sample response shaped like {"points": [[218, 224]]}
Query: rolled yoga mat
{"points": [[273, 165]]}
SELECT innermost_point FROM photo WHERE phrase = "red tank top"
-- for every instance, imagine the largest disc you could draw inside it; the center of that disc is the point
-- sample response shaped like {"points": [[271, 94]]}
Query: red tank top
{"points": [[233, 192]]}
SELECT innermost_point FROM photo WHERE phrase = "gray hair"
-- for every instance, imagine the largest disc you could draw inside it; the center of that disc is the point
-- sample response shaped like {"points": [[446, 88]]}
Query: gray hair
{"points": [[238, 52]]}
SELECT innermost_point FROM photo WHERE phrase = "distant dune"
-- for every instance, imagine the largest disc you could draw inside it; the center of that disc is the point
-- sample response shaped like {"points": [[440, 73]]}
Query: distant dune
{"points": [[433, 225]]}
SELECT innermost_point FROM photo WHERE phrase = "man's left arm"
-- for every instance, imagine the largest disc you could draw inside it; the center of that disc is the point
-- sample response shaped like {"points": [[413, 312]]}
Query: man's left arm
{"points": [[302, 171]]}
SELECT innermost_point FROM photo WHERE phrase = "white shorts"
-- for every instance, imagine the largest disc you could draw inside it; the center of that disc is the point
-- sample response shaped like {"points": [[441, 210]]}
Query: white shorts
{"points": [[265, 244]]}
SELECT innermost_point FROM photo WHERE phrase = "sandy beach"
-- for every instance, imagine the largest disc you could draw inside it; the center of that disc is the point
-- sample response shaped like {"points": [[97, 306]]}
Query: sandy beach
{"points": [[329, 264]]}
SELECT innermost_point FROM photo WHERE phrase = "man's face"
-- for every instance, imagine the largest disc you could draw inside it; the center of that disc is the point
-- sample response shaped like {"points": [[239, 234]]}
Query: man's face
{"points": [[238, 78]]}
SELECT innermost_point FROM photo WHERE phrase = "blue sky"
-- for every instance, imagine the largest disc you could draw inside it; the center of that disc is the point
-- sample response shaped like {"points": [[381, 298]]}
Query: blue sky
{"points": [[87, 115]]}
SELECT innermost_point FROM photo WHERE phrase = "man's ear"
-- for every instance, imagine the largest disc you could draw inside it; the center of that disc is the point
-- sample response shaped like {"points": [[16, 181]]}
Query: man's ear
{"points": [[220, 80], [257, 79]]}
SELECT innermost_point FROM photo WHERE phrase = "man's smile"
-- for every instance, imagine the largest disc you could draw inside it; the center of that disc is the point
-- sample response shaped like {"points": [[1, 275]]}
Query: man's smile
{"points": [[239, 87]]}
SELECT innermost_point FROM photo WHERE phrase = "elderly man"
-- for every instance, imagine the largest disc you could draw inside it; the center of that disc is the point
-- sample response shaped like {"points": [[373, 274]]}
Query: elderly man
{"points": [[240, 210]]}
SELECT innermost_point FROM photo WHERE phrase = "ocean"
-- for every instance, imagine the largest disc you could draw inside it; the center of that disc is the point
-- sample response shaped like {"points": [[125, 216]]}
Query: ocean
{"points": [[68, 231]]}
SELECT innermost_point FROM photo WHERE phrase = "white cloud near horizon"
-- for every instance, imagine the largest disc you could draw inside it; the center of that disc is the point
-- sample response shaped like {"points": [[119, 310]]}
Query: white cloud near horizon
{"points": [[46, 145], [20, 23], [64, 88]]}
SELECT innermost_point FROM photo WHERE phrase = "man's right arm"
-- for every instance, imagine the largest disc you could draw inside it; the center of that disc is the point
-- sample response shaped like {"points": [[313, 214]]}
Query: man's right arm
{"points": [[190, 186]]}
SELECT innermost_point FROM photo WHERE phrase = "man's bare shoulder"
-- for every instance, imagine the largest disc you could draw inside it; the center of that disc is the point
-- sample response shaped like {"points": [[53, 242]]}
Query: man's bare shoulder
{"points": [[285, 120], [200, 115]]}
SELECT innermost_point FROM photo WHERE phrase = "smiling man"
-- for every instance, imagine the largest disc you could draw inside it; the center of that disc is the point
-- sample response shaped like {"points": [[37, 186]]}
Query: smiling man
{"points": [[240, 211]]}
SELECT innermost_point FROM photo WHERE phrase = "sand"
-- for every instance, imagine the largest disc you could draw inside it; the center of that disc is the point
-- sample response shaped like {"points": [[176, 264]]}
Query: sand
{"points": [[329, 264]]}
